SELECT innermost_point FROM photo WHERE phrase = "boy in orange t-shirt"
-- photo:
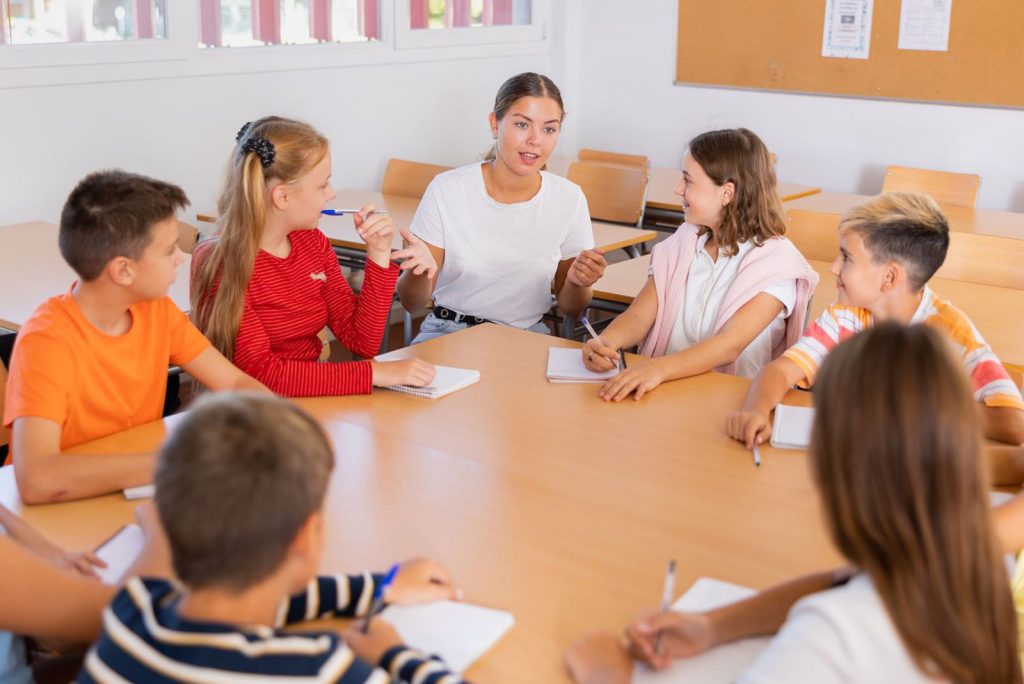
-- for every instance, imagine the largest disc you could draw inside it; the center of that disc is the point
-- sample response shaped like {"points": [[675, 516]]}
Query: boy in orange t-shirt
{"points": [[93, 361]]}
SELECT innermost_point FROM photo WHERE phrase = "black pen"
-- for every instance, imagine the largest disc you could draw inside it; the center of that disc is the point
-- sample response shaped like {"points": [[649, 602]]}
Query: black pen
{"points": [[622, 359]]}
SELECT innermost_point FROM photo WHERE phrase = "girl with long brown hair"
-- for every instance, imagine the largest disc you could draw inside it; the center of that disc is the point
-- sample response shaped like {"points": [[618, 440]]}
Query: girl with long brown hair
{"points": [[896, 457], [727, 291], [269, 281]]}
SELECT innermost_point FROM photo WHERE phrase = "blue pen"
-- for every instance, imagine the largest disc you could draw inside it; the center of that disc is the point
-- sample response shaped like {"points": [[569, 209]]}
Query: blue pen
{"points": [[378, 596], [342, 212]]}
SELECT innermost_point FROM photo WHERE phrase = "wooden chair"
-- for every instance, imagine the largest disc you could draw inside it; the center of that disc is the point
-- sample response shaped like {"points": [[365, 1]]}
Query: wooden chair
{"points": [[1016, 374], [614, 193], [601, 157], [960, 189], [188, 236], [409, 178]]}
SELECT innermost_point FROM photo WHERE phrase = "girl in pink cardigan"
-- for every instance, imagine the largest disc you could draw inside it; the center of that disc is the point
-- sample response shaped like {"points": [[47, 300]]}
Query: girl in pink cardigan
{"points": [[727, 291]]}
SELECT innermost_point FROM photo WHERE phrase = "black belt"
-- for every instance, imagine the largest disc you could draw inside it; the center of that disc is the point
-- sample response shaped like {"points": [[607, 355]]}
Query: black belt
{"points": [[446, 314]]}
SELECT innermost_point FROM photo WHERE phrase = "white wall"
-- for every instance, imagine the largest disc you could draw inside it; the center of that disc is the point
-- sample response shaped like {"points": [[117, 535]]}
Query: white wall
{"points": [[629, 104], [182, 129]]}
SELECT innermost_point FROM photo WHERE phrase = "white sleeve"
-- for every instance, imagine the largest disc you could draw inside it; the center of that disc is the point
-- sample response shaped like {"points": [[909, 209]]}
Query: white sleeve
{"points": [[580, 235], [427, 224], [785, 292], [809, 648]]}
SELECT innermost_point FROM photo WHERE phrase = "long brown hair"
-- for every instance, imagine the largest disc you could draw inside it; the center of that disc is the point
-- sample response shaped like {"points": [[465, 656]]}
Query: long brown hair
{"points": [[526, 84], [223, 272], [896, 456], [738, 156]]}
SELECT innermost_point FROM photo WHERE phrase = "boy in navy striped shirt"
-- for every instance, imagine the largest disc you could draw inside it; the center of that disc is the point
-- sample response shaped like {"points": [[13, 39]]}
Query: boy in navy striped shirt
{"points": [[240, 493]]}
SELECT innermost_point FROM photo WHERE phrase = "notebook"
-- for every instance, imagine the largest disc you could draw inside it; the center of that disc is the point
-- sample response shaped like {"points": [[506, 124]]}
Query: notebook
{"points": [[446, 381], [792, 427], [140, 492], [565, 364], [720, 665], [458, 632], [119, 552]]}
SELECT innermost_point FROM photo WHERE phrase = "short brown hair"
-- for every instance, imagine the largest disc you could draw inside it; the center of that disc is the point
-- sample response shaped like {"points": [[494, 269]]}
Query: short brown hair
{"points": [[111, 214], [235, 482], [907, 227], [896, 456], [738, 156]]}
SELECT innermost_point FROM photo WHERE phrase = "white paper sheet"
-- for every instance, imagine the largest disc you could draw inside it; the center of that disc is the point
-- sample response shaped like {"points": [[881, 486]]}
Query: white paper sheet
{"points": [[458, 632], [924, 25], [119, 552], [847, 31], [140, 492], [720, 665], [566, 365], [791, 428]]}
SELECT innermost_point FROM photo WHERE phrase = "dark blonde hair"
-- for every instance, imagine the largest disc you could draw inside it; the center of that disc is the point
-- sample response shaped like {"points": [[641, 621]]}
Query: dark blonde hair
{"points": [[907, 227], [737, 156], [235, 482], [526, 84], [896, 456], [224, 268]]}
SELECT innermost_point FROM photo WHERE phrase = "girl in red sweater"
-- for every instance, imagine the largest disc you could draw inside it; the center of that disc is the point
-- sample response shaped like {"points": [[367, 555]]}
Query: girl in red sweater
{"points": [[269, 281]]}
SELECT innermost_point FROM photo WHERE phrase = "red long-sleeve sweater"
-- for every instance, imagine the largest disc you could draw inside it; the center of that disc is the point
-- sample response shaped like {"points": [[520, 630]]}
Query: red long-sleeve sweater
{"points": [[290, 300]]}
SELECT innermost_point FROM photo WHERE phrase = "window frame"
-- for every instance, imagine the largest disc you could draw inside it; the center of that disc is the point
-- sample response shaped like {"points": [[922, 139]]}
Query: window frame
{"points": [[407, 37]]}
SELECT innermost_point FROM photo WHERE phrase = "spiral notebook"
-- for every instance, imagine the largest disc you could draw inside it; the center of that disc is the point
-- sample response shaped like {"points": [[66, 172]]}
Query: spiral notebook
{"points": [[446, 381], [565, 365]]}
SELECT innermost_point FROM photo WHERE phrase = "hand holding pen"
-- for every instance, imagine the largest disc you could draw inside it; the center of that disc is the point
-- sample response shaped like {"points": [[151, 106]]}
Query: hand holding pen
{"points": [[598, 356]]}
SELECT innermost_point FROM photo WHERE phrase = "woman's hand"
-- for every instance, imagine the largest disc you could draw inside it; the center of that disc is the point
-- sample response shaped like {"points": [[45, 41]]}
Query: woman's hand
{"points": [[415, 255], [587, 268]]}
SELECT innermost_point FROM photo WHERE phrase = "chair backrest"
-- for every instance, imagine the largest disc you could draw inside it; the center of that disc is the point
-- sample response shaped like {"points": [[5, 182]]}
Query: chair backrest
{"points": [[603, 157], [972, 257], [614, 193], [188, 236], [409, 178], [960, 189]]}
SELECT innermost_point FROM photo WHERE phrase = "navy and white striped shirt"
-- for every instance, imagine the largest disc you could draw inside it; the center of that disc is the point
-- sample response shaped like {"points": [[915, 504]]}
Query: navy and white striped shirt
{"points": [[145, 640]]}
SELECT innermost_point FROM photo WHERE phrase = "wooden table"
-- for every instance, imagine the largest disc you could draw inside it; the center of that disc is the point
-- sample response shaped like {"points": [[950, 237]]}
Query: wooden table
{"points": [[993, 310], [662, 183], [962, 219], [540, 498], [33, 270]]}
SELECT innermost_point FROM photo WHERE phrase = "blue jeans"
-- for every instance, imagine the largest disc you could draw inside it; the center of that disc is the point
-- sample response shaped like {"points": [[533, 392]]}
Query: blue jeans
{"points": [[433, 327]]}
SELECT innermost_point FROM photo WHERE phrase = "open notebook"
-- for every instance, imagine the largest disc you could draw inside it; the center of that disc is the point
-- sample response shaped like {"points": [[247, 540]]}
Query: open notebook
{"points": [[458, 632], [119, 552], [720, 665], [792, 427], [565, 364]]}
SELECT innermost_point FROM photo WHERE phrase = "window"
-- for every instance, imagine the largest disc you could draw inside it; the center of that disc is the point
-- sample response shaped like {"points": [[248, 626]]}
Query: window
{"points": [[436, 23], [28, 22], [243, 23]]}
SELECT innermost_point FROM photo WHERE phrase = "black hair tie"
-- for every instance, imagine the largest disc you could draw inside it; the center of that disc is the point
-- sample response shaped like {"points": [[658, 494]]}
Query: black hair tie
{"points": [[262, 148], [243, 130]]}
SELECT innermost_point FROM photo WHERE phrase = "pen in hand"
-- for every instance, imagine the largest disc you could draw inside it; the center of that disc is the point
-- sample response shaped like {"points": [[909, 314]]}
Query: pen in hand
{"points": [[593, 333], [378, 596], [342, 212], [666, 599]]}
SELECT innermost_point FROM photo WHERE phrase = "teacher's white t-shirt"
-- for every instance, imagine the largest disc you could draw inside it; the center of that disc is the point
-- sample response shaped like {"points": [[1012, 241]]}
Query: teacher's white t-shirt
{"points": [[500, 259]]}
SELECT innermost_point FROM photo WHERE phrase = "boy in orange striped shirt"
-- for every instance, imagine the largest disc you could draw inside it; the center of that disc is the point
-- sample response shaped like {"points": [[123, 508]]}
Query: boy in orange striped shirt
{"points": [[889, 247]]}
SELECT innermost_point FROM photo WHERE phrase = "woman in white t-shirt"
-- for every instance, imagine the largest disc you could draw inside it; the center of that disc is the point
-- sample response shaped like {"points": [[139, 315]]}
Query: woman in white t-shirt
{"points": [[727, 291], [505, 234], [896, 457]]}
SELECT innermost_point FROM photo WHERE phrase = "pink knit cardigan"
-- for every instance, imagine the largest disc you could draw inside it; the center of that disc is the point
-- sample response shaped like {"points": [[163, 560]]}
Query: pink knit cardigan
{"points": [[776, 261]]}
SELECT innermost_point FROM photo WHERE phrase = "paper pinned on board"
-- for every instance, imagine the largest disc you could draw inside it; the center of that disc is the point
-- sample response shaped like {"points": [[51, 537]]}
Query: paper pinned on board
{"points": [[924, 25], [720, 664], [847, 31]]}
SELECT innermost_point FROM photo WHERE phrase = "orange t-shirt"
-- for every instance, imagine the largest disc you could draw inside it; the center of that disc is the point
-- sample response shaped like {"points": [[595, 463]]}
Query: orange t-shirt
{"points": [[93, 384]]}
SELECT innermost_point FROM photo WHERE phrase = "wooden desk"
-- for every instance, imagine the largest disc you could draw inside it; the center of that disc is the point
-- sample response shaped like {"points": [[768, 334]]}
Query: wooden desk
{"points": [[961, 219], [993, 310], [541, 498], [662, 183], [32, 270]]}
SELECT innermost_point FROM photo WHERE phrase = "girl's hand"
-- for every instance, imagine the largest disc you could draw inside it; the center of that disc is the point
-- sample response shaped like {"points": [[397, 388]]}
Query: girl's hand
{"points": [[599, 658], [598, 356], [371, 647], [414, 372], [587, 268], [421, 580], [639, 379], [683, 635], [376, 230], [415, 255]]}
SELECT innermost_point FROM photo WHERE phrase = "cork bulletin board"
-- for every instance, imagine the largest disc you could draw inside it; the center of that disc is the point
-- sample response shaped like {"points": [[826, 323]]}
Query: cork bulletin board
{"points": [[776, 45]]}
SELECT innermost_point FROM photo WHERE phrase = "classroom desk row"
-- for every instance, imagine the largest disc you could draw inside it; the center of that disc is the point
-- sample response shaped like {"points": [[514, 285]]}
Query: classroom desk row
{"points": [[549, 503], [997, 312]]}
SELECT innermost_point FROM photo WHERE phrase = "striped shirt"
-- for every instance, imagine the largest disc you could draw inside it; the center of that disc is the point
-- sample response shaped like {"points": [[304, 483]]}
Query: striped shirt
{"points": [[145, 640], [989, 379], [290, 300]]}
